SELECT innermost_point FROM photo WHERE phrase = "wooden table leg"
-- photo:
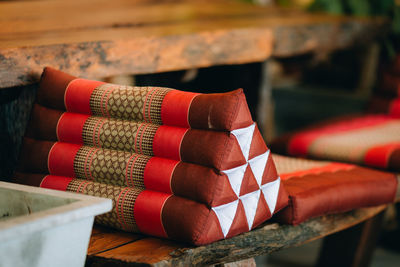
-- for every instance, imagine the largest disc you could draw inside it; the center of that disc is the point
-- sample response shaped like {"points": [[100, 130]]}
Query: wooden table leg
{"points": [[265, 107], [352, 247]]}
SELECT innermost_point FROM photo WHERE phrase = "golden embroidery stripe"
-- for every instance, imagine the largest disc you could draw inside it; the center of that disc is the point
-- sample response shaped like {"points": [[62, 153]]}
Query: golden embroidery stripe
{"points": [[85, 162], [121, 216], [102, 104], [136, 136], [146, 103], [148, 138], [155, 112], [127, 169], [98, 130], [106, 102], [141, 138], [151, 99], [119, 135], [130, 166], [79, 162], [120, 209]]}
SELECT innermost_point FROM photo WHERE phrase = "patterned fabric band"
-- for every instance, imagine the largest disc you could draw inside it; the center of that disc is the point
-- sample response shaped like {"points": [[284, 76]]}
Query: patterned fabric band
{"points": [[126, 102], [186, 166], [144, 138], [166, 215], [125, 215], [216, 149], [157, 105], [160, 174]]}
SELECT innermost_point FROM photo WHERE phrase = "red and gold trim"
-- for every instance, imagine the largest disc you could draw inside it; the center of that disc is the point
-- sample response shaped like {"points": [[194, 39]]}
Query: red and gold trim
{"points": [[111, 166], [133, 210], [144, 138], [150, 104]]}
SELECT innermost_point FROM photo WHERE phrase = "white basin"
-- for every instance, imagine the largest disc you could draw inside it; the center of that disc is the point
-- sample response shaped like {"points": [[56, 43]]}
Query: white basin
{"points": [[43, 227]]}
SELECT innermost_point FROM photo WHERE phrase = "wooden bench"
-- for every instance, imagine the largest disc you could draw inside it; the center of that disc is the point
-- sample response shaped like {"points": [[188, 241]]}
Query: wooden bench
{"points": [[114, 248], [101, 38]]}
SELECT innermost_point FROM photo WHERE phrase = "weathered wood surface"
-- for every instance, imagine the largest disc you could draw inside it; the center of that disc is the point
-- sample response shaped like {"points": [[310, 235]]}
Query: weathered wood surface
{"points": [[266, 239], [99, 38]]}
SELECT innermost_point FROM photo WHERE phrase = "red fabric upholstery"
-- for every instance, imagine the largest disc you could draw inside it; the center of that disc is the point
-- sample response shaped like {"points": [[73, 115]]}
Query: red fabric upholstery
{"points": [[134, 146], [317, 188]]}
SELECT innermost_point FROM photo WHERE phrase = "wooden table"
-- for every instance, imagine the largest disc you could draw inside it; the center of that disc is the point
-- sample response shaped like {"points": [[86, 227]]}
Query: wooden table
{"points": [[110, 247], [102, 38], [352, 235]]}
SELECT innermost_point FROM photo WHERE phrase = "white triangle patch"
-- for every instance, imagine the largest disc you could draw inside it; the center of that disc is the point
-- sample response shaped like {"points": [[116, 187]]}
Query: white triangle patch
{"points": [[225, 214], [257, 165], [235, 177], [250, 204], [244, 136], [271, 191]]}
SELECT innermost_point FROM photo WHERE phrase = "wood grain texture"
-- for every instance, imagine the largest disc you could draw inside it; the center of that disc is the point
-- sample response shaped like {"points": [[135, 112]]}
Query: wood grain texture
{"points": [[103, 239], [99, 38], [266, 239]]}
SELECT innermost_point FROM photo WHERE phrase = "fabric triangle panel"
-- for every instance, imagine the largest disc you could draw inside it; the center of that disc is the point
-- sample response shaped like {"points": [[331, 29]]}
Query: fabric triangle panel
{"points": [[262, 213], [226, 214], [258, 164], [239, 224], [235, 177], [271, 191], [250, 202], [244, 137], [270, 173], [249, 183], [257, 144]]}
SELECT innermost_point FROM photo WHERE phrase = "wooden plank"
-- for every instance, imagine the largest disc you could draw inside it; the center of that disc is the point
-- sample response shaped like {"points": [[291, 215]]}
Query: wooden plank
{"points": [[103, 239], [148, 250], [101, 38], [266, 239]]}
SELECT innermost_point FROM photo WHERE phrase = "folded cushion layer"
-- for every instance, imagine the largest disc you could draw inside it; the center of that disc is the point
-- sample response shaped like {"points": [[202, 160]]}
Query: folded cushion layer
{"points": [[224, 111], [317, 188], [166, 215], [216, 149], [122, 168], [186, 166], [372, 140]]}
